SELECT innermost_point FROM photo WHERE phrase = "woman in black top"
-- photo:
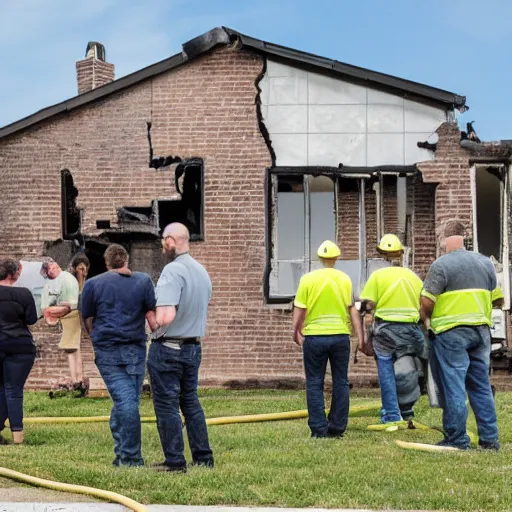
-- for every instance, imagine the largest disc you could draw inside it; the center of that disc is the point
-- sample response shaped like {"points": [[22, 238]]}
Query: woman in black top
{"points": [[17, 349]]}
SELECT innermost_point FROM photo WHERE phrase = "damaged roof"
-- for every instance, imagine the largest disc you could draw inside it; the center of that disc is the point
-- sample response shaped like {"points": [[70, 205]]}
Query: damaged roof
{"points": [[223, 36]]}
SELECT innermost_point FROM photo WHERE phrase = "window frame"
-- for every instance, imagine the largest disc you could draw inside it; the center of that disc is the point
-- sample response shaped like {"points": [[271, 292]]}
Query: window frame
{"points": [[270, 219]]}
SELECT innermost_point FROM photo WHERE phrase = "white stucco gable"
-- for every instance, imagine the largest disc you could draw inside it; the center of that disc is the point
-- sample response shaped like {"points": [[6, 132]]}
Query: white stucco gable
{"points": [[314, 119]]}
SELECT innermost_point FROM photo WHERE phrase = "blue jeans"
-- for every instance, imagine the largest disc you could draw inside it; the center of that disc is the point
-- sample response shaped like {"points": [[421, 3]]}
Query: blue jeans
{"points": [[14, 371], [390, 409], [460, 362], [122, 368], [394, 341], [174, 380], [317, 351]]}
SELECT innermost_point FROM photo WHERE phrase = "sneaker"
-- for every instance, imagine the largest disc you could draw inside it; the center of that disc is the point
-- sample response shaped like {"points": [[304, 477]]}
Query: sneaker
{"points": [[489, 445], [164, 467], [335, 434], [207, 463]]}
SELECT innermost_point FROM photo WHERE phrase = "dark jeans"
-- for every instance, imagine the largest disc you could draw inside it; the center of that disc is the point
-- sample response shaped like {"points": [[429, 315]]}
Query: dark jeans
{"points": [[123, 373], [317, 350], [460, 362], [14, 371], [174, 379]]}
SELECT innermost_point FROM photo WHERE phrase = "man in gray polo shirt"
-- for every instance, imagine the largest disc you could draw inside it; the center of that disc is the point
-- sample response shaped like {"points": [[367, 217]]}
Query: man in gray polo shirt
{"points": [[183, 293]]}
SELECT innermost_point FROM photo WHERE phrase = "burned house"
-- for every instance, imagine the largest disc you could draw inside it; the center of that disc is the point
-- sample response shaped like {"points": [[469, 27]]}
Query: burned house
{"points": [[263, 152]]}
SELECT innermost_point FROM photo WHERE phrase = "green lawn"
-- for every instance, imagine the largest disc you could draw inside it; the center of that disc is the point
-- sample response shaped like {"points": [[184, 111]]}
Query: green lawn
{"points": [[273, 463]]}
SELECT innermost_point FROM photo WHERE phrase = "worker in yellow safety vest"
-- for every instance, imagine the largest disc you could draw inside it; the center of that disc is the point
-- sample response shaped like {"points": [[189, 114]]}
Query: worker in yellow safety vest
{"points": [[322, 323], [392, 295], [457, 300]]}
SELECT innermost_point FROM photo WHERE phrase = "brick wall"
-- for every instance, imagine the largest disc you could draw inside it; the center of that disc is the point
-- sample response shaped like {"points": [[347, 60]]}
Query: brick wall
{"points": [[451, 171], [205, 109]]}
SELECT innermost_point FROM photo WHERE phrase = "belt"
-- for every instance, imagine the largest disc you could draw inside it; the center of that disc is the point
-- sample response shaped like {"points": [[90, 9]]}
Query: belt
{"points": [[177, 341]]}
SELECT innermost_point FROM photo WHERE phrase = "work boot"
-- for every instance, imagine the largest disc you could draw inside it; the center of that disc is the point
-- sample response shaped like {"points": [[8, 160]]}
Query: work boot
{"points": [[164, 467], [489, 445], [335, 434], [446, 444]]}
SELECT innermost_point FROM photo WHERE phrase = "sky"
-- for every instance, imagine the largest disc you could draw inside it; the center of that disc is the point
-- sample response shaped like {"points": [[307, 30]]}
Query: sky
{"points": [[462, 46]]}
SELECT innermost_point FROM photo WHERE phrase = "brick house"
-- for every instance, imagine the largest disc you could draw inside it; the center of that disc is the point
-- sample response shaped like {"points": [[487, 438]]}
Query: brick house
{"points": [[264, 152]]}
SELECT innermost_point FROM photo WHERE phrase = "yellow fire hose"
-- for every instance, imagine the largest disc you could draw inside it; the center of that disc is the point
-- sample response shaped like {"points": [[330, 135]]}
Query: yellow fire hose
{"points": [[77, 489], [226, 420], [123, 500]]}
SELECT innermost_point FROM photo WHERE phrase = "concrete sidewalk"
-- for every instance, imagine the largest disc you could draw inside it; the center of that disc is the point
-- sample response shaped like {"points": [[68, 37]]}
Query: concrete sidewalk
{"points": [[107, 507]]}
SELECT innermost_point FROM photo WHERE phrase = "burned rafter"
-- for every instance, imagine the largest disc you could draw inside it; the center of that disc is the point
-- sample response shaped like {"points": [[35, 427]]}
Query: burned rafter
{"points": [[427, 145]]}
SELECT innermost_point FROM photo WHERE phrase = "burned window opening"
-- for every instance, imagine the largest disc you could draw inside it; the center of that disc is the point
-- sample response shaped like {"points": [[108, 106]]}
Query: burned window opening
{"points": [[304, 215], [161, 161], [286, 180], [488, 191], [71, 215], [148, 222], [189, 183]]}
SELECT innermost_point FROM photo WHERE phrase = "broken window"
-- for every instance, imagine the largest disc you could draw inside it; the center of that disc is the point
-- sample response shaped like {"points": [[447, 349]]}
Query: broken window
{"points": [[189, 183], [488, 210], [71, 215], [148, 222], [302, 217]]}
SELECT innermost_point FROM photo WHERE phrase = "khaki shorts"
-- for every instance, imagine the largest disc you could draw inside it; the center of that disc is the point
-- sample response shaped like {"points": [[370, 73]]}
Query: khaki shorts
{"points": [[71, 331]]}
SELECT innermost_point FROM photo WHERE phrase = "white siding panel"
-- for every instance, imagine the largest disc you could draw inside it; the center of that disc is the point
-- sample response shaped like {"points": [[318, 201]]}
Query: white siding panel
{"points": [[337, 119], [385, 149], [324, 90], [333, 149], [290, 149], [385, 119], [288, 118]]}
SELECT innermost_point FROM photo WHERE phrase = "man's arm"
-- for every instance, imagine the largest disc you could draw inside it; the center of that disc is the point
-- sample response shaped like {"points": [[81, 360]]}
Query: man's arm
{"points": [[57, 311], [88, 324], [299, 315], [426, 308], [164, 316], [151, 319], [357, 325]]}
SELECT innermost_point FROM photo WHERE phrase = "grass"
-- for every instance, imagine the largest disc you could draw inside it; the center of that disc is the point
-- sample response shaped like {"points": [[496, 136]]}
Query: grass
{"points": [[275, 463]]}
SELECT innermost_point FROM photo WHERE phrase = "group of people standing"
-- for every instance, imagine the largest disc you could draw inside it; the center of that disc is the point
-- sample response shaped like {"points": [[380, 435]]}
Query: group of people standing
{"points": [[452, 307], [119, 307], [115, 307]]}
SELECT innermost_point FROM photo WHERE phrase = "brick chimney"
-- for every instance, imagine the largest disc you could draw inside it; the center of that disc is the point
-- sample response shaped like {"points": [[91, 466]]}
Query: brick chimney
{"points": [[93, 71]]}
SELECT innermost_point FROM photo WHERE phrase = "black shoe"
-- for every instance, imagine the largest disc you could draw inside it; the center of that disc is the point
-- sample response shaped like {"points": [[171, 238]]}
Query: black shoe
{"points": [[164, 467], [335, 434], [447, 444], [489, 445], [318, 436], [207, 463]]}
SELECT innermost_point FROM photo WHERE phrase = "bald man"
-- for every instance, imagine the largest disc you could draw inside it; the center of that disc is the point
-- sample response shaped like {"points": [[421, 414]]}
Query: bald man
{"points": [[183, 293]]}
